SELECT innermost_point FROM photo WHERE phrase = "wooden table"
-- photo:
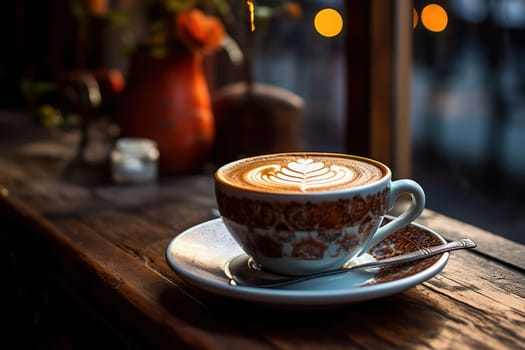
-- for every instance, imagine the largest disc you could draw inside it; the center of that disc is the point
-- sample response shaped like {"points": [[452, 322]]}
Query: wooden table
{"points": [[83, 265]]}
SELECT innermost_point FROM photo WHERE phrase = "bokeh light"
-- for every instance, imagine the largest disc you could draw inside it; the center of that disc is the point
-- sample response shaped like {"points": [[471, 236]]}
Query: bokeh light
{"points": [[434, 18], [328, 22], [251, 10], [415, 18]]}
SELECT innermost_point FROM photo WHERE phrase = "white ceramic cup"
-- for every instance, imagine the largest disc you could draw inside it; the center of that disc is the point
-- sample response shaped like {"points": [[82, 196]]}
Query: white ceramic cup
{"points": [[320, 224]]}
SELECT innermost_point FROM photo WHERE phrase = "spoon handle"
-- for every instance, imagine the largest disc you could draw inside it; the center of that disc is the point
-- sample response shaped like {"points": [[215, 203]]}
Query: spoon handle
{"points": [[420, 254]]}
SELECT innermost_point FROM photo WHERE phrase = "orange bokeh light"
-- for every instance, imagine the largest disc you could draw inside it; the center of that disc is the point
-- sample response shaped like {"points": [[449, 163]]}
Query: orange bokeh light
{"points": [[328, 22], [415, 18], [434, 18]]}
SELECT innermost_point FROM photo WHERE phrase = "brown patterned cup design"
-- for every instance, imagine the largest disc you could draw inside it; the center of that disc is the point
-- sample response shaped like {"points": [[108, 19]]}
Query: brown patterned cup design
{"points": [[301, 213]]}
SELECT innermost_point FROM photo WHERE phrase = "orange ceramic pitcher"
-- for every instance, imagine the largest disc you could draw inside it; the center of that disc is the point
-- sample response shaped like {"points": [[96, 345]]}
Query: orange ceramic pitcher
{"points": [[167, 100]]}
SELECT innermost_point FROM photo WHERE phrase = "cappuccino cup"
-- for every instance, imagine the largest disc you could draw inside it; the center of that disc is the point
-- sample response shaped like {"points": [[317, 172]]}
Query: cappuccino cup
{"points": [[308, 212]]}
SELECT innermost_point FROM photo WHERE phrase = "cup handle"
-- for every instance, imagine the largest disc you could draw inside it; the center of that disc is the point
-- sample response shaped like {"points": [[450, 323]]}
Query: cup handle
{"points": [[417, 205]]}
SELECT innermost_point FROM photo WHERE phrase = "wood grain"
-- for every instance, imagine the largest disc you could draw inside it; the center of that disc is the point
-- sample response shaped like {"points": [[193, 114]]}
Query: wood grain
{"points": [[496, 247], [106, 245]]}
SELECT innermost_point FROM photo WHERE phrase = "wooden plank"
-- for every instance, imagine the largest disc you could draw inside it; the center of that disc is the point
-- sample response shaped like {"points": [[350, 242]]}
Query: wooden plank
{"points": [[109, 244], [378, 54], [481, 304], [163, 309], [497, 247], [402, 93], [38, 187], [382, 80], [453, 298], [358, 77], [451, 305]]}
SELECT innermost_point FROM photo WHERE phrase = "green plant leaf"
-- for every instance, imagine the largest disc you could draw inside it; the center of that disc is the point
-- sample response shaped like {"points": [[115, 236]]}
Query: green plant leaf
{"points": [[77, 10], [179, 5], [50, 117], [33, 89], [222, 6], [118, 18], [158, 51]]}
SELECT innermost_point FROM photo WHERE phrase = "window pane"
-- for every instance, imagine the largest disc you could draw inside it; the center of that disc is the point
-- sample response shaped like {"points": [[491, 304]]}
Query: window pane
{"points": [[290, 53], [468, 111]]}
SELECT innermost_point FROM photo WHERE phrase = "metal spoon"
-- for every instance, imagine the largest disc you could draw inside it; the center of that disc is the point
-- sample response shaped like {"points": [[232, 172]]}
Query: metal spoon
{"points": [[249, 274]]}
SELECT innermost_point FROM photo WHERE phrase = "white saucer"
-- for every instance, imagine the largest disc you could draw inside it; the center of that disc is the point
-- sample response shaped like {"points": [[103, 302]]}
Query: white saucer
{"points": [[200, 256]]}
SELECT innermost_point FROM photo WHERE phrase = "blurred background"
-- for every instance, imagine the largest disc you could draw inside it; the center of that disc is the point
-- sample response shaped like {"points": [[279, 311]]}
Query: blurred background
{"points": [[467, 101], [466, 79], [468, 111]]}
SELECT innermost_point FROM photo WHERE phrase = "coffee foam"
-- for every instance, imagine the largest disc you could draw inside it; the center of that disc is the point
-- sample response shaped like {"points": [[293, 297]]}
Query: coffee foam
{"points": [[300, 173]]}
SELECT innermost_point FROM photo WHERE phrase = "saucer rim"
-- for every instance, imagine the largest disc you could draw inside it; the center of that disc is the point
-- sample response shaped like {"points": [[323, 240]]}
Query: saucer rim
{"points": [[289, 297]]}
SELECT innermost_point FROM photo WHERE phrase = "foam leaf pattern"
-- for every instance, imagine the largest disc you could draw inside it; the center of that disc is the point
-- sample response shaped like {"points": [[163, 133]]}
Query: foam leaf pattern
{"points": [[304, 174]]}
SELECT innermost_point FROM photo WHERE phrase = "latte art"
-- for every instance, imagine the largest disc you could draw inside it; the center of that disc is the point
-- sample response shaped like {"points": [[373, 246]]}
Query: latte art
{"points": [[304, 174], [301, 172]]}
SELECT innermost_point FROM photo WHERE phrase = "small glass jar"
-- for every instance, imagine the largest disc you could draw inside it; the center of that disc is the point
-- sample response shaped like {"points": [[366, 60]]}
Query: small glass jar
{"points": [[134, 161]]}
